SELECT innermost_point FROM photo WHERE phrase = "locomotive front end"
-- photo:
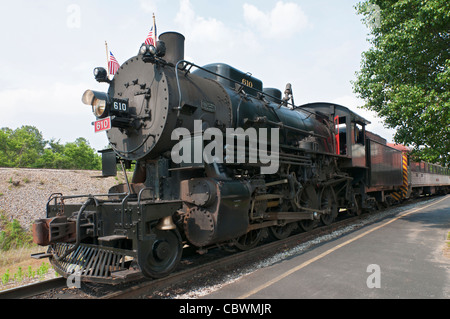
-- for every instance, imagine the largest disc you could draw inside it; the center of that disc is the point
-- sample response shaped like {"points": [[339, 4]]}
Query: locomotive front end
{"points": [[136, 228], [116, 237], [134, 111]]}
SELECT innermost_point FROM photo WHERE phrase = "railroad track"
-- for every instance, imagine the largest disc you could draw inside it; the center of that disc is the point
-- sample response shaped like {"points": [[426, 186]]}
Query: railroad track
{"points": [[223, 263], [33, 289]]}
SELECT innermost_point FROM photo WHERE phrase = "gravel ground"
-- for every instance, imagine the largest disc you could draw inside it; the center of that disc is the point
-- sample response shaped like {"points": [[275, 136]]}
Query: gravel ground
{"points": [[24, 192]]}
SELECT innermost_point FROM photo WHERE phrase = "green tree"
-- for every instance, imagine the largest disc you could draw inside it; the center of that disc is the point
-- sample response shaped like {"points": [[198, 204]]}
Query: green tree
{"points": [[25, 147], [53, 157], [21, 147], [5, 134], [81, 156], [405, 75]]}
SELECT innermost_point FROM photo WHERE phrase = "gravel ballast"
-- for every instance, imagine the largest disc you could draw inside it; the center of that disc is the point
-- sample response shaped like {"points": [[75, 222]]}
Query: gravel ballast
{"points": [[24, 192]]}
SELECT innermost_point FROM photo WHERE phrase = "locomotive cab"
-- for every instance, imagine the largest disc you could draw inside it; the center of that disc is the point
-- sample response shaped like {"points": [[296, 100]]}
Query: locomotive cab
{"points": [[350, 133]]}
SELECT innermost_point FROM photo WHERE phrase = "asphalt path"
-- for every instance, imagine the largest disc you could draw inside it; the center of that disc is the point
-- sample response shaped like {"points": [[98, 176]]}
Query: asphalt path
{"points": [[398, 257]]}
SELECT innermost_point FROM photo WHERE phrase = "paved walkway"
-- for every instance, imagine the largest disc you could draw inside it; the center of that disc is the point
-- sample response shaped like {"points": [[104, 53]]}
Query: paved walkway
{"points": [[398, 257]]}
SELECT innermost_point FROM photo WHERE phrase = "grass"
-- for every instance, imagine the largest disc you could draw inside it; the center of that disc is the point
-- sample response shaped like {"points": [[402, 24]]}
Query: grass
{"points": [[16, 265], [12, 234]]}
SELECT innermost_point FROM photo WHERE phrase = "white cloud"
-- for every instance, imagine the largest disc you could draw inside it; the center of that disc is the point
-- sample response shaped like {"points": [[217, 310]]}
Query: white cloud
{"points": [[55, 110], [211, 40], [283, 21], [59, 98], [149, 5], [199, 28]]}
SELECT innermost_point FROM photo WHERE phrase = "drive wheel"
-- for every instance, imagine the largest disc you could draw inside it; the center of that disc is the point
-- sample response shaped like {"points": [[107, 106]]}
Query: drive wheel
{"points": [[356, 210], [160, 255], [328, 202], [249, 240], [283, 231], [307, 198]]}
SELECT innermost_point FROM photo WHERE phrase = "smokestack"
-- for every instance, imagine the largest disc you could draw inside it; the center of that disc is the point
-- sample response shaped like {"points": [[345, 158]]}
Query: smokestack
{"points": [[174, 42]]}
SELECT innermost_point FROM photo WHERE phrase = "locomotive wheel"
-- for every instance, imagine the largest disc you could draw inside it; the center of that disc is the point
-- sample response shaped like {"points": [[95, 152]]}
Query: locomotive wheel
{"points": [[308, 198], [159, 256], [328, 202], [282, 232], [357, 208], [307, 224], [249, 240]]}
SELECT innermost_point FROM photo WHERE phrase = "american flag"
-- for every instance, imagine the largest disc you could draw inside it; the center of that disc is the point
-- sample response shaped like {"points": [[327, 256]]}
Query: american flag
{"points": [[151, 37], [113, 65]]}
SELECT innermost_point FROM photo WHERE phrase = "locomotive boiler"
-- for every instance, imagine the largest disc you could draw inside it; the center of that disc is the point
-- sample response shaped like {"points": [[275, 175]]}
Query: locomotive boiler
{"points": [[231, 199]]}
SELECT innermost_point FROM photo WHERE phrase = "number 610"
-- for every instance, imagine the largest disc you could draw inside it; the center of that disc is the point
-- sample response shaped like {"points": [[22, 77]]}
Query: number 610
{"points": [[120, 106]]}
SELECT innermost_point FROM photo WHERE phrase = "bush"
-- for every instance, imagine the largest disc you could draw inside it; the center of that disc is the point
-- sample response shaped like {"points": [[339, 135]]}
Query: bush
{"points": [[12, 235]]}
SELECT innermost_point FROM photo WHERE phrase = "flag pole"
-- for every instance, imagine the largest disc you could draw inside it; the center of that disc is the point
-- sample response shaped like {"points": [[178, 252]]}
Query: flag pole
{"points": [[107, 60], [154, 29]]}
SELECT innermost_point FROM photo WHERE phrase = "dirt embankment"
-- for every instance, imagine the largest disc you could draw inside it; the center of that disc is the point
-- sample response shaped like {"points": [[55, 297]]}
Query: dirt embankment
{"points": [[24, 192]]}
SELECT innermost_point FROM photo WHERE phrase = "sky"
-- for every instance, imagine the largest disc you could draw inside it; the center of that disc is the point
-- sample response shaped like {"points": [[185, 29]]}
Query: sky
{"points": [[48, 50]]}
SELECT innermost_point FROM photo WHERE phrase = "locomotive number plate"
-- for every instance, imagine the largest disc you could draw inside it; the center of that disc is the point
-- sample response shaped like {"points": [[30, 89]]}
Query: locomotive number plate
{"points": [[102, 125], [119, 106]]}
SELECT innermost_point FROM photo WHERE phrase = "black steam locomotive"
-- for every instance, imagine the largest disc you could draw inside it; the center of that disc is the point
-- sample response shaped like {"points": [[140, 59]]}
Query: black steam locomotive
{"points": [[272, 167]]}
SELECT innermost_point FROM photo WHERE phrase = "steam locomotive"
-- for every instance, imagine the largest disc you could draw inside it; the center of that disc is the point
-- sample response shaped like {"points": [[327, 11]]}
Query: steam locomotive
{"points": [[161, 113]]}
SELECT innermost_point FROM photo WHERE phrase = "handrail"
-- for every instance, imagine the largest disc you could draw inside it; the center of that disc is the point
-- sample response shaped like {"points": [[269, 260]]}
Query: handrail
{"points": [[186, 63]]}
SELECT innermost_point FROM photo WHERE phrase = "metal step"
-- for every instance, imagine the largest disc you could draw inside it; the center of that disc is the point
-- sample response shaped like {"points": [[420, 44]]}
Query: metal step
{"points": [[41, 255], [127, 275], [112, 238]]}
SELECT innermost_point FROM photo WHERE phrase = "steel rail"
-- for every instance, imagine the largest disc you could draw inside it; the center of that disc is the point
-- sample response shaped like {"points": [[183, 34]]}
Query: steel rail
{"points": [[33, 289]]}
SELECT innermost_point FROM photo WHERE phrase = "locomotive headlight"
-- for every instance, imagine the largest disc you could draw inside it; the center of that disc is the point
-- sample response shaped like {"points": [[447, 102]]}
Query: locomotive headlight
{"points": [[143, 49], [98, 101], [101, 75], [148, 52], [152, 49], [147, 48], [98, 107]]}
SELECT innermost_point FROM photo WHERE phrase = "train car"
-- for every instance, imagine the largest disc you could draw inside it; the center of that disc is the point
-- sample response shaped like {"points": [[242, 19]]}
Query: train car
{"points": [[220, 161], [420, 178], [429, 179]]}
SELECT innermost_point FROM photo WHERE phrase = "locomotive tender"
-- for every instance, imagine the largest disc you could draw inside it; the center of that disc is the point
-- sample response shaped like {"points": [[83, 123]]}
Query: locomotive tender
{"points": [[325, 160]]}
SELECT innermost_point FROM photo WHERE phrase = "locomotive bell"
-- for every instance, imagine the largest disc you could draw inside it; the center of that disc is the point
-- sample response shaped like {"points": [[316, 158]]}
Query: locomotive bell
{"points": [[166, 223]]}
